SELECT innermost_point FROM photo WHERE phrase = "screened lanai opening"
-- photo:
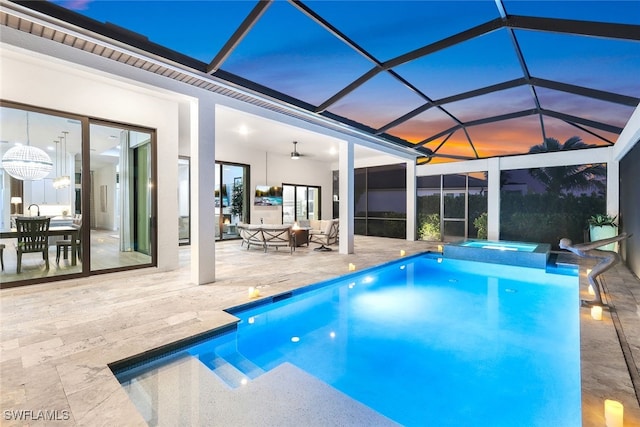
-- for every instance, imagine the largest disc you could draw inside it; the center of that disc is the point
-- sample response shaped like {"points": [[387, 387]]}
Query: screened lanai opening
{"points": [[449, 80]]}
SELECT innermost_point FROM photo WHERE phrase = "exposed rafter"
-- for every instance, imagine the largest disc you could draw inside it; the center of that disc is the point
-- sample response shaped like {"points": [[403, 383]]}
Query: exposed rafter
{"points": [[584, 129], [451, 130], [482, 91], [466, 132], [348, 89], [569, 26], [445, 43], [629, 101], [579, 120], [426, 50], [238, 35], [334, 31]]}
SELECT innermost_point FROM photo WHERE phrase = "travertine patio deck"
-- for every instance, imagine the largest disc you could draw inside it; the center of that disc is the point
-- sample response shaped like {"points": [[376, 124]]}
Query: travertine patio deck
{"points": [[56, 339]]}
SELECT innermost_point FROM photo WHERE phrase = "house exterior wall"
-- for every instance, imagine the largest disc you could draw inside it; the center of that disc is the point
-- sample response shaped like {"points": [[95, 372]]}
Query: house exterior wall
{"points": [[630, 208]]}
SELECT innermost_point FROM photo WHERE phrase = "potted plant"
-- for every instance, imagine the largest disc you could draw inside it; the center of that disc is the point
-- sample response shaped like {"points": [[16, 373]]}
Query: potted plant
{"points": [[603, 227], [237, 199]]}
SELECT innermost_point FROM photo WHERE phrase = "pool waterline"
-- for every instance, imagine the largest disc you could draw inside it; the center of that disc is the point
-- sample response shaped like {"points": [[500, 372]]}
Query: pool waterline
{"points": [[398, 309]]}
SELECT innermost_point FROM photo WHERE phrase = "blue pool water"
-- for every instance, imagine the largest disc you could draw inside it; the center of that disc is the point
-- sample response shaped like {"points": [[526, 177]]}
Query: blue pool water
{"points": [[426, 341]]}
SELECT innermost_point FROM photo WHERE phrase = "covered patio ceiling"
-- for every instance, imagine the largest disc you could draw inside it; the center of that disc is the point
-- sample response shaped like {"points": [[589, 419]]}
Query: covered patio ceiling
{"points": [[453, 80]]}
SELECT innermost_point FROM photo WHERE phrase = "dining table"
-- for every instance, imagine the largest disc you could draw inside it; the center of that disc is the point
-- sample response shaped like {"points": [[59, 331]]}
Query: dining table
{"points": [[62, 230]]}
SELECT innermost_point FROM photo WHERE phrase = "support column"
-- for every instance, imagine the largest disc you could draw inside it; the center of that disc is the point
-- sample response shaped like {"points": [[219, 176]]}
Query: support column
{"points": [[613, 187], [346, 190], [203, 158], [412, 194], [493, 199]]}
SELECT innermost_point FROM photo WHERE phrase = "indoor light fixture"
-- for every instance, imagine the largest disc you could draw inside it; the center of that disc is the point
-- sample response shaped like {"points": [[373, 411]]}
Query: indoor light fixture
{"points": [[294, 154], [64, 180], [56, 180], [15, 201], [25, 162]]}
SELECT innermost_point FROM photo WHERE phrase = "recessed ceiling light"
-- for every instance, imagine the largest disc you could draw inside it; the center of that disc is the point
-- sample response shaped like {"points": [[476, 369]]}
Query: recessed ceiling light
{"points": [[333, 151], [243, 130]]}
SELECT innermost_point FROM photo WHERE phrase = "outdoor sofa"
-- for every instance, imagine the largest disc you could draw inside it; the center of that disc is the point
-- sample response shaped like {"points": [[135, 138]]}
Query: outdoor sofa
{"points": [[267, 236]]}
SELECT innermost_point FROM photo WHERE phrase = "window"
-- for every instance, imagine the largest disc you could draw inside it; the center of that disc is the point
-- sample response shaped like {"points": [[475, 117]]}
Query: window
{"points": [[300, 202]]}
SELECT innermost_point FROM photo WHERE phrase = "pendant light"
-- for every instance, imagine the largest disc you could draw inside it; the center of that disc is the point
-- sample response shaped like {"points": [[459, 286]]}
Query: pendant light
{"points": [[56, 180], [25, 162], [64, 179]]}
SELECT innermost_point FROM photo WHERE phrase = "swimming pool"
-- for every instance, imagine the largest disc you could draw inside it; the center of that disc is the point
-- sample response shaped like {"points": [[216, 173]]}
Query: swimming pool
{"points": [[423, 341]]}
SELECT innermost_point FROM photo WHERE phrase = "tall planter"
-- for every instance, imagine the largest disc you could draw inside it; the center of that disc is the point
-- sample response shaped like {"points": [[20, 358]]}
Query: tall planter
{"points": [[599, 232]]}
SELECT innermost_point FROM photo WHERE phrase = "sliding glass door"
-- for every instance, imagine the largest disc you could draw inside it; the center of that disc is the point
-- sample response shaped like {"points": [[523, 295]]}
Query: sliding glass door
{"points": [[300, 202], [57, 139], [231, 199], [184, 201], [96, 187], [121, 206]]}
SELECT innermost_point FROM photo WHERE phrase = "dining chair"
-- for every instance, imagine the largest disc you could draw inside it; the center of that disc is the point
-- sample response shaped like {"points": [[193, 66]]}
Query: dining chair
{"points": [[66, 244], [33, 237]]}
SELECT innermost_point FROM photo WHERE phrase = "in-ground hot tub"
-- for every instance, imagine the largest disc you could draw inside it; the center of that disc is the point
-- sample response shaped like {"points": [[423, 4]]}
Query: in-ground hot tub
{"points": [[522, 254]]}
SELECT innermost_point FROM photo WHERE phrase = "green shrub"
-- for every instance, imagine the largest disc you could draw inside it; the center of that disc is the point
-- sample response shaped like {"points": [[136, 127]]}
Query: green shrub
{"points": [[481, 225], [429, 227], [547, 218]]}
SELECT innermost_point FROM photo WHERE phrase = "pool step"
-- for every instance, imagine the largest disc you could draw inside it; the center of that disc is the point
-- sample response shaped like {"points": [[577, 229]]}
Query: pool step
{"points": [[244, 365], [234, 369]]}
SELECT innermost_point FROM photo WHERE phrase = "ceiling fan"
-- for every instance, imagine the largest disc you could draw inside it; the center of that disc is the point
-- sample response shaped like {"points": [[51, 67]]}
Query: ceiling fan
{"points": [[294, 154]]}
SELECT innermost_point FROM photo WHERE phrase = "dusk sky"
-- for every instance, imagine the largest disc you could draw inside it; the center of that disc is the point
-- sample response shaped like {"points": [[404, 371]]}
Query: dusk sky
{"points": [[289, 52]]}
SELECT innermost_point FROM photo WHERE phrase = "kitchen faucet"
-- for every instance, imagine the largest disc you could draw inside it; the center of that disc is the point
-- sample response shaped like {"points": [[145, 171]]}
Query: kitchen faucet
{"points": [[33, 204]]}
